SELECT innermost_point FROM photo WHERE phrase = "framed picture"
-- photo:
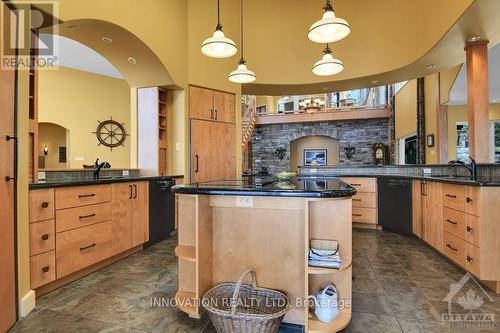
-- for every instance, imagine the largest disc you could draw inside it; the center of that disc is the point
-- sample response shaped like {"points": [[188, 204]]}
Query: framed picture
{"points": [[314, 156], [62, 155], [430, 140]]}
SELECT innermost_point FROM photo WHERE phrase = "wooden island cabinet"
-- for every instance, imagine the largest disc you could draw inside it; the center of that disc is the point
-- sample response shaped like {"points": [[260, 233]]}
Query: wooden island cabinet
{"points": [[221, 236], [78, 229], [461, 222]]}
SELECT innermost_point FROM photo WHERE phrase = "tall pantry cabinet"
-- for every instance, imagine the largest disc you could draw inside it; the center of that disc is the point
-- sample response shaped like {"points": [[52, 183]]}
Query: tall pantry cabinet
{"points": [[212, 134]]}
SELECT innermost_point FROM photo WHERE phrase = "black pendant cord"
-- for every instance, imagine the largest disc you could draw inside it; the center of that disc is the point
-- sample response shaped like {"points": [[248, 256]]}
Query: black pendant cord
{"points": [[219, 26], [242, 60]]}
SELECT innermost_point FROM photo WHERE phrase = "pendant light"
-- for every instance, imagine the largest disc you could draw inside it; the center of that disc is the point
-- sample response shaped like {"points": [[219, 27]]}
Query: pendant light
{"points": [[242, 74], [330, 28], [218, 46], [327, 65]]}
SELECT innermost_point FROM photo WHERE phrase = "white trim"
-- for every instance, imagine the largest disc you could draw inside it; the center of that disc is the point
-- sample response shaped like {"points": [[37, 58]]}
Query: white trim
{"points": [[27, 304]]}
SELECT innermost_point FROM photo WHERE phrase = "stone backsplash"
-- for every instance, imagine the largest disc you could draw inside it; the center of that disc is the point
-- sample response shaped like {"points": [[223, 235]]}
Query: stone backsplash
{"points": [[361, 134]]}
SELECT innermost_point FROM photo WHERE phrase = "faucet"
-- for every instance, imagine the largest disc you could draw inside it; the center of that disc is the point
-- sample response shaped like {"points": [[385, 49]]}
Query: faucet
{"points": [[98, 166], [472, 166]]}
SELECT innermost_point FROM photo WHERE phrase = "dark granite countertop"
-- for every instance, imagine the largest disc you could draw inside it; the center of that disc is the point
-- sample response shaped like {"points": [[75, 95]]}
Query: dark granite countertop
{"points": [[104, 180], [459, 180], [269, 186]]}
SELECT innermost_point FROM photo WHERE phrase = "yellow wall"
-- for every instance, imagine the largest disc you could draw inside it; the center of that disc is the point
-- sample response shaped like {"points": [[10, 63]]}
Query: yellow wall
{"points": [[431, 86], [311, 142], [76, 100], [406, 110], [447, 78], [458, 113], [51, 136]]}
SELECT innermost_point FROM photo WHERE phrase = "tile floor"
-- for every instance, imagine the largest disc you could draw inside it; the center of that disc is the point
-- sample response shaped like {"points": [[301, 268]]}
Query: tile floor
{"points": [[399, 287]]}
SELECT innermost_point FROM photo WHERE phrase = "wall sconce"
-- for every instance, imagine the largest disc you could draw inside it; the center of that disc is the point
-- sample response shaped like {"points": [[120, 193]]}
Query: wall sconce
{"points": [[45, 150], [280, 152]]}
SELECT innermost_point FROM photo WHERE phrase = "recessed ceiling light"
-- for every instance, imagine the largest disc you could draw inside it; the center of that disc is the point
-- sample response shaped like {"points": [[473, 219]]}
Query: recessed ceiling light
{"points": [[431, 66], [473, 39], [73, 27], [132, 61], [107, 40], [374, 81]]}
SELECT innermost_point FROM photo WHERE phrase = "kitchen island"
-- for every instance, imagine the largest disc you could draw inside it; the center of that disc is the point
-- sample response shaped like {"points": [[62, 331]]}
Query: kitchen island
{"points": [[226, 227]]}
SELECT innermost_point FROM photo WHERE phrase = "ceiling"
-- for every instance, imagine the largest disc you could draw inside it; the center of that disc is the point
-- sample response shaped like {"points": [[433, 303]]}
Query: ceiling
{"points": [[391, 41], [148, 69], [458, 93], [73, 54]]}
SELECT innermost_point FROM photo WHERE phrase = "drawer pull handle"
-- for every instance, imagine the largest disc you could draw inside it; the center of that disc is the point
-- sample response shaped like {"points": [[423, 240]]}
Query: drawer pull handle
{"points": [[88, 247], [86, 216], [451, 196], [45, 269], [469, 229], [451, 247], [451, 222], [355, 184], [45, 237], [470, 259], [86, 195], [357, 215], [469, 200], [356, 199], [45, 204]]}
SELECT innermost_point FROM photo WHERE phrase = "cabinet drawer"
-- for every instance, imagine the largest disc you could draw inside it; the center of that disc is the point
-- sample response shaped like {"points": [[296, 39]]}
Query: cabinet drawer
{"points": [[42, 269], [454, 222], [453, 248], [72, 218], [364, 215], [82, 247], [454, 196], [472, 259], [472, 228], [362, 184], [42, 237], [82, 196], [472, 197], [364, 200], [41, 205]]}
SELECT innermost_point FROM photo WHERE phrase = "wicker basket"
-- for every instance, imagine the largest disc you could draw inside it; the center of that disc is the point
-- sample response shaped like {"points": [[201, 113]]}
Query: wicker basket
{"points": [[242, 308]]}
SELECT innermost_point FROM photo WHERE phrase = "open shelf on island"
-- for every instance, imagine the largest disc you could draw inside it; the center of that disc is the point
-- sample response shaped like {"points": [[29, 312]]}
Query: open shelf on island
{"points": [[186, 252], [187, 302], [341, 322], [323, 270]]}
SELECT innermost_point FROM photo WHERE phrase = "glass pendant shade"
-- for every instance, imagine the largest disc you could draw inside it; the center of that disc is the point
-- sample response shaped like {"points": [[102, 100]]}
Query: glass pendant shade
{"points": [[242, 74], [328, 66], [218, 46], [329, 29]]}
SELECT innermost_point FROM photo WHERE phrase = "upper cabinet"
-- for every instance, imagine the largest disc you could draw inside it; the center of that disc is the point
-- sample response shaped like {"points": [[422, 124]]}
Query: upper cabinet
{"points": [[208, 104]]}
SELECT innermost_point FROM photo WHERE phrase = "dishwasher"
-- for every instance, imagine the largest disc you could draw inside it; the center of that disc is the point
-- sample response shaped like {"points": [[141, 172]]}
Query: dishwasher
{"points": [[395, 205], [161, 209]]}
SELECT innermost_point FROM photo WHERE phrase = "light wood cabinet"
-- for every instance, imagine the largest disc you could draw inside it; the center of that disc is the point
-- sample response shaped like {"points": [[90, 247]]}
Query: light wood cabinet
{"points": [[364, 203], [213, 105], [432, 214], [417, 212], [213, 151], [92, 223]]}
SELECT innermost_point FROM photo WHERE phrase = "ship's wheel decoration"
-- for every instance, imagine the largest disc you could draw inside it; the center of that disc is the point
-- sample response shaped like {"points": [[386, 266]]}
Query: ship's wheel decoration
{"points": [[110, 133]]}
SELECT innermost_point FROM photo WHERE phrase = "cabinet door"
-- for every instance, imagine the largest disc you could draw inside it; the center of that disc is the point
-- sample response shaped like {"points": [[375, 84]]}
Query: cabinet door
{"points": [[222, 151], [121, 226], [200, 150], [201, 103], [140, 213], [417, 208], [433, 215], [224, 107]]}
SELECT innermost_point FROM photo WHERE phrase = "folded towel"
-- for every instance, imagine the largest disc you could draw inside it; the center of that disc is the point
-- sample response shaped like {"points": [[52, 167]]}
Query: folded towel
{"points": [[324, 264], [323, 252]]}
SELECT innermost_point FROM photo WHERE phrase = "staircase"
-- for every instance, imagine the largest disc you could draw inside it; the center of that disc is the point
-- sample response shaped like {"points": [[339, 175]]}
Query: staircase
{"points": [[247, 119]]}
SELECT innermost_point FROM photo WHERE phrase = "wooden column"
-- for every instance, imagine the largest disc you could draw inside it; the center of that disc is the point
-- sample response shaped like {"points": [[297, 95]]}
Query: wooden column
{"points": [[478, 100]]}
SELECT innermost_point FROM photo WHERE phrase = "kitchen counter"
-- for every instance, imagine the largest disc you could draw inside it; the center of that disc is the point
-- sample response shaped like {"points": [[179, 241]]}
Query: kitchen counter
{"points": [[103, 180], [269, 186]]}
